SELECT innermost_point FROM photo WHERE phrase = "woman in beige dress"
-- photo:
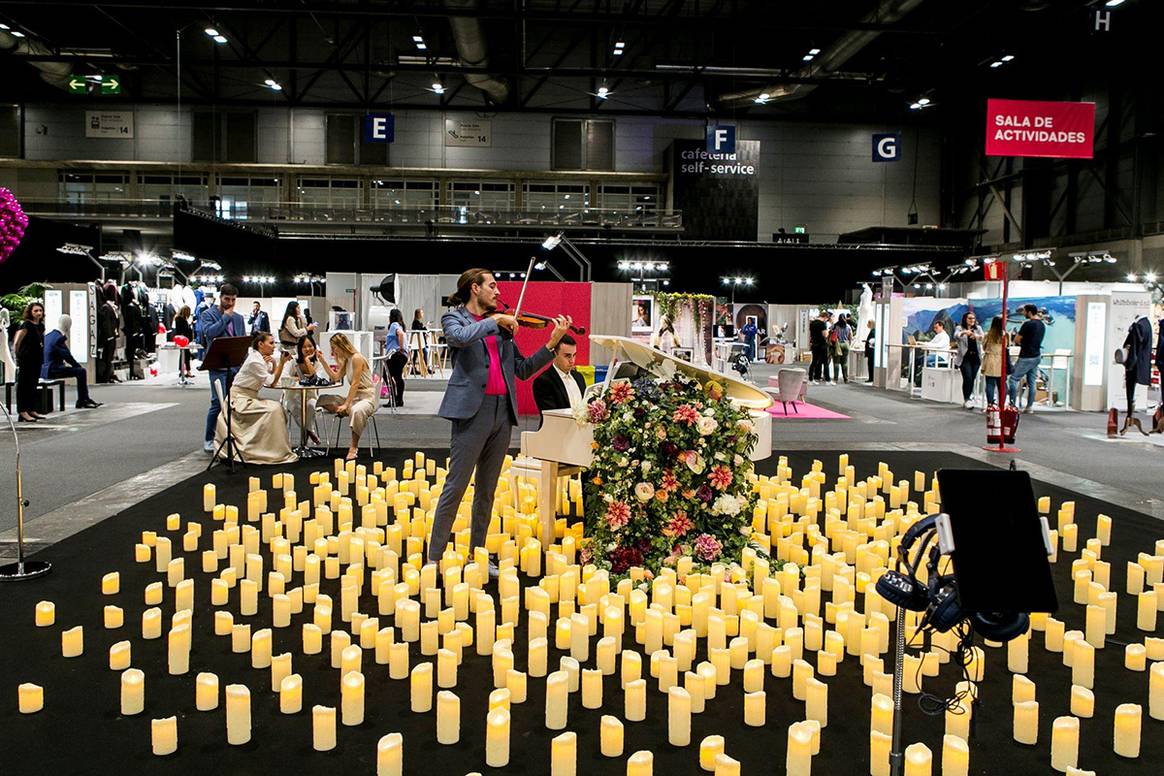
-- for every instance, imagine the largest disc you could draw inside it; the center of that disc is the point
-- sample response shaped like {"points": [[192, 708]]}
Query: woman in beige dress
{"points": [[259, 425], [307, 365], [360, 402]]}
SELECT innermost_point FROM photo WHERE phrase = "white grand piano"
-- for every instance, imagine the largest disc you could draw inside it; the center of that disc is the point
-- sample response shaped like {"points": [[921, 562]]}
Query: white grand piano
{"points": [[562, 442]]}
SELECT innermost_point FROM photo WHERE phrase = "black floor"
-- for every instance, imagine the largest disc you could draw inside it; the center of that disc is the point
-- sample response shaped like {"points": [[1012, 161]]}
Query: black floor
{"points": [[80, 730]]}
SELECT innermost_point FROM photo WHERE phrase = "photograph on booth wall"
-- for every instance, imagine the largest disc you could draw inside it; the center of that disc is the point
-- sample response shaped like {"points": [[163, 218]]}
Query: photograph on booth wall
{"points": [[642, 314]]}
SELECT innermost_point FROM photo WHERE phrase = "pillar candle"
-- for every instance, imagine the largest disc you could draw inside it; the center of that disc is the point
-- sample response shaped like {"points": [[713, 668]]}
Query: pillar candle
{"points": [[1022, 689], [291, 694], [1064, 743], [1127, 729], [46, 614], [352, 699], [132, 692], [801, 673], [678, 717], [261, 648], [1082, 702], [1146, 609], [208, 497], [390, 755], [564, 755], [635, 700], [323, 728], [1156, 692], [448, 722], [782, 662], [31, 698], [1026, 722], [756, 708], [726, 766], [111, 583], [918, 760], [879, 746], [557, 700], [610, 736], [515, 683], [421, 687], [591, 689], [817, 701], [1017, 653], [955, 756], [798, 760], [641, 763], [881, 714], [497, 738], [398, 661], [238, 714], [958, 718], [632, 666], [120, 656], [164, 736], [446, 669], [73, 642], [1083, 664], [710, 748]]}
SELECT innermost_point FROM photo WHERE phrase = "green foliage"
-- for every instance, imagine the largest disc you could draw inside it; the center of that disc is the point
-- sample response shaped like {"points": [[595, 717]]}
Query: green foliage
{"points": [[16, 302]]}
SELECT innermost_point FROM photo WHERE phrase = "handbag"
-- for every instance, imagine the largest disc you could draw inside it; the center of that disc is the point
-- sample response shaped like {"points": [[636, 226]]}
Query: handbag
{"points": [[1123, 355]]}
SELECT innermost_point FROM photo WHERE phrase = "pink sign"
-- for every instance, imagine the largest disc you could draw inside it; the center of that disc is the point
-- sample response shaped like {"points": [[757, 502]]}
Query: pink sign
{"points": [[1061, 130]]}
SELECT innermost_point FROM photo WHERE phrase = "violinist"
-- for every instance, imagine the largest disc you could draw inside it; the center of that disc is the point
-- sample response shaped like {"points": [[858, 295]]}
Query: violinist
{"points": [[481, 401]]}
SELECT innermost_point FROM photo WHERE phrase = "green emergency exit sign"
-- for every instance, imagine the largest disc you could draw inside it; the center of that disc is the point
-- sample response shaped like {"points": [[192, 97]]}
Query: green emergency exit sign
{"points": [[94, 84]]}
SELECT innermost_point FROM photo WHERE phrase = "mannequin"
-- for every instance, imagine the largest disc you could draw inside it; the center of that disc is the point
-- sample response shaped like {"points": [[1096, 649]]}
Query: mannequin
{"points": [[1137, 351], [5, 352], [864, 308]]}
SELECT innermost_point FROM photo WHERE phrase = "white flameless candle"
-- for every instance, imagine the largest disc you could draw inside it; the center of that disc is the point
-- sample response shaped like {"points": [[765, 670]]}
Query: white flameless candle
{"points": [[164, 736], [238, 714], [1064, 743]]}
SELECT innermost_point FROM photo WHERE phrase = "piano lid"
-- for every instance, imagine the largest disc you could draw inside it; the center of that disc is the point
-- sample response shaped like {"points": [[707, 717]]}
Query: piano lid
{"points": [[663, 365]]}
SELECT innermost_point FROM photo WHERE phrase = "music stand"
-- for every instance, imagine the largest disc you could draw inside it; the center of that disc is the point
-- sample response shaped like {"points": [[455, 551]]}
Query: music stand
{"points": [[226, 353], [1000, 547]]}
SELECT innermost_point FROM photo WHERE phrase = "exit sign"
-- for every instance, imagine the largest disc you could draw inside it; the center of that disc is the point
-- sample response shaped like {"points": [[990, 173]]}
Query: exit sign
{"points": [[94, 84]]}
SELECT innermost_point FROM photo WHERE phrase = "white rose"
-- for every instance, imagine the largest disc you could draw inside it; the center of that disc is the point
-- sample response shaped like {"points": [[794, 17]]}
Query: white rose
{"points": [[644, 491], [646, 467], [707, 426], [738, 459], [720, 457], [726, 504]]}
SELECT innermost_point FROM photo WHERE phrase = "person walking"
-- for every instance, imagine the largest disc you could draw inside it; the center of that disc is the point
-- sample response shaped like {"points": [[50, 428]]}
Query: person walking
{"points": [[183, 328], [28, 346], [993, 351], [396, 348], [870, 349], [481, 402], [968, 337], [1030, 341], [839, 339], [219, 321], [818, 343]]}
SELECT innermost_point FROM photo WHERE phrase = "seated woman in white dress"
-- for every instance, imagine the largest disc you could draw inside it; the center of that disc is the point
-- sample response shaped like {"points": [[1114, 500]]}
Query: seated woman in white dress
{"points": [[360, 401], [307, 365], [259, 425]]}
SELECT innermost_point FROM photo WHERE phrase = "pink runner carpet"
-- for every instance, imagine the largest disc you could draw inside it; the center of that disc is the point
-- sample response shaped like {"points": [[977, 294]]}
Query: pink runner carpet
{"points": [[805, 412]]}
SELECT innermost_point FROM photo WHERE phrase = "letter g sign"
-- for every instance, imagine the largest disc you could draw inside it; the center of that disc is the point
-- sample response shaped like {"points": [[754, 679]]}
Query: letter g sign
{"points": [[886, 147]]}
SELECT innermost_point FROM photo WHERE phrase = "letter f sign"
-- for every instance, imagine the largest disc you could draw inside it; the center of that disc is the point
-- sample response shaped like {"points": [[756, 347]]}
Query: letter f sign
{"points": [[721, 140]]}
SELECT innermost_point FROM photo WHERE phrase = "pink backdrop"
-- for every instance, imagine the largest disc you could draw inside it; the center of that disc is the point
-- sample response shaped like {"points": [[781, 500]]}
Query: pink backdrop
{"points": [[544, 298]]}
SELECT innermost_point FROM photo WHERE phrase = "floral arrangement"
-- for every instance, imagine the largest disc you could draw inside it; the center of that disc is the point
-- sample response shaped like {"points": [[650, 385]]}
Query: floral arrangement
{"points": [[671, 475]]}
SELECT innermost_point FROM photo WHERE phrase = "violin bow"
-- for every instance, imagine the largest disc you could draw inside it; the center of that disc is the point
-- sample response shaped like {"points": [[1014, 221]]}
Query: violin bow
{"points": [[521, 296]]}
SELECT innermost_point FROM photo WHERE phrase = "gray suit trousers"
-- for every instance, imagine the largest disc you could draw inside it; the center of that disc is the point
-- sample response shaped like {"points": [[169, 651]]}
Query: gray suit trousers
{"points": [[479, 442]]}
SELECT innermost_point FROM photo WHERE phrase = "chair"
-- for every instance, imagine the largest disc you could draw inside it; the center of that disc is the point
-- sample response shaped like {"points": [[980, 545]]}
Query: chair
{"points": [[791, 387], [339, 425]]}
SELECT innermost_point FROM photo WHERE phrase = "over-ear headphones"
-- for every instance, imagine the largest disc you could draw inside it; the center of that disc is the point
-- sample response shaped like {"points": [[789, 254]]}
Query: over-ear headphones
{"points": [[905, 590], [944, 610], [1000, 626]]}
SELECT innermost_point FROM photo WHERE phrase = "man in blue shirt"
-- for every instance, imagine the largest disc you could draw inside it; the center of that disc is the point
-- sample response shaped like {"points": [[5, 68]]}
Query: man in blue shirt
{"points": [[1030, 342], [219, 321], [59, 362]]}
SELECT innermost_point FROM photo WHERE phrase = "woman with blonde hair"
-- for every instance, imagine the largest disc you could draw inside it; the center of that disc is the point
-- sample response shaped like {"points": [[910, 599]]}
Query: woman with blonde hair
{"points": [[360, 402], [993, 351]]}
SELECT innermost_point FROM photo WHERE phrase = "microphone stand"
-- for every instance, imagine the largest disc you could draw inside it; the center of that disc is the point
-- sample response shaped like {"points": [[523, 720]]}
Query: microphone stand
{"points": [[896, 755], [21, 569]]}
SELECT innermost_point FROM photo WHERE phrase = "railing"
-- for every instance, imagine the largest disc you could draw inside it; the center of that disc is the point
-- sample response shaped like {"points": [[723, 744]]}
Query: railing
{"points": [[293, 212]]}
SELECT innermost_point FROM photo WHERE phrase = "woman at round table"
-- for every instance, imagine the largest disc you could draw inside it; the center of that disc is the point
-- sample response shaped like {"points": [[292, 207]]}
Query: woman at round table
{"points": [[259, 425], [360, 402], [307, 366]]}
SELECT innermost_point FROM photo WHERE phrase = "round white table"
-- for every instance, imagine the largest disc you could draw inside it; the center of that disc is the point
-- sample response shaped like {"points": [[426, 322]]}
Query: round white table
{"points": [[304, 450]]}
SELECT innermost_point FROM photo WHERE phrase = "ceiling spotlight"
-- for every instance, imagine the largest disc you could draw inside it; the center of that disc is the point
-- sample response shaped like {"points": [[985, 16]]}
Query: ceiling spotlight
{"points": [[211, 32], [619, 47], [1113, 3], [923, 101], [603, 92], [747, 281], [419, 41], [808, 57], [16, 34], [1008, 58], [995, 64], [915, 106], [438, 87], [624, 265], [220, 39], [4, 26], [813, 52], [763, 99], [551, 242], [273, 85]]}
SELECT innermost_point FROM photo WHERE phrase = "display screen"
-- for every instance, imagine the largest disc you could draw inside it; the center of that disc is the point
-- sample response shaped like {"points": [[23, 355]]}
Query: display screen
{"points": [[1000, 559]]}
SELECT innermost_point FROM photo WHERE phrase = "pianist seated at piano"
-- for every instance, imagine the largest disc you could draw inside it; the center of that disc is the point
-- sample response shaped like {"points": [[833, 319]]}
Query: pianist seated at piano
{"points": [[560, 387]]}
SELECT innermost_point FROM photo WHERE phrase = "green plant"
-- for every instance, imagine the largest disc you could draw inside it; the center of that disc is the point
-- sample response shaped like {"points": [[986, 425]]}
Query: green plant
{"points": [[16, 302]]}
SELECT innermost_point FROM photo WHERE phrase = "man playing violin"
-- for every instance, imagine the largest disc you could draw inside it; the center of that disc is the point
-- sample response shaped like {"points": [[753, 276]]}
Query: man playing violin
{"points": [[481, 401]]}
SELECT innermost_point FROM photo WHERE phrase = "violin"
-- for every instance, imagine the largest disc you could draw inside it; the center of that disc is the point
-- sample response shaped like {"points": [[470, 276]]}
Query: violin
{"points": [[534, 321]]}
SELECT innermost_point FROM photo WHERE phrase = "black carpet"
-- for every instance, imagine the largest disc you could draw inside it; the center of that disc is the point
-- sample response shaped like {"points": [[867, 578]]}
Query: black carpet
{"points": [[81, 731]]}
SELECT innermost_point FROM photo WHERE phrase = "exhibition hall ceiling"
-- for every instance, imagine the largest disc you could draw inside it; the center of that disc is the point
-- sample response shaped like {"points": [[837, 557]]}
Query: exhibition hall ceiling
{"points": [[837, 59]]}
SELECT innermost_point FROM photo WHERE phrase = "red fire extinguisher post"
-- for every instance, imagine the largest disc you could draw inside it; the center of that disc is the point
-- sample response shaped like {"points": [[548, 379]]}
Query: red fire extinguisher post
{"points": [[999, 269]]}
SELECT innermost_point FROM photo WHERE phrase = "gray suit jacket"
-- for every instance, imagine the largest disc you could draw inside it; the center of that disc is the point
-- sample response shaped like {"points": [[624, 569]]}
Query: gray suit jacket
{"points": [[465, 337]]}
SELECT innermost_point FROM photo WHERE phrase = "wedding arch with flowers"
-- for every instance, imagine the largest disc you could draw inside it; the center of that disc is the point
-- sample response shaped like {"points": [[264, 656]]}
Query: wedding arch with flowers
{"points": [[671, 475]]}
